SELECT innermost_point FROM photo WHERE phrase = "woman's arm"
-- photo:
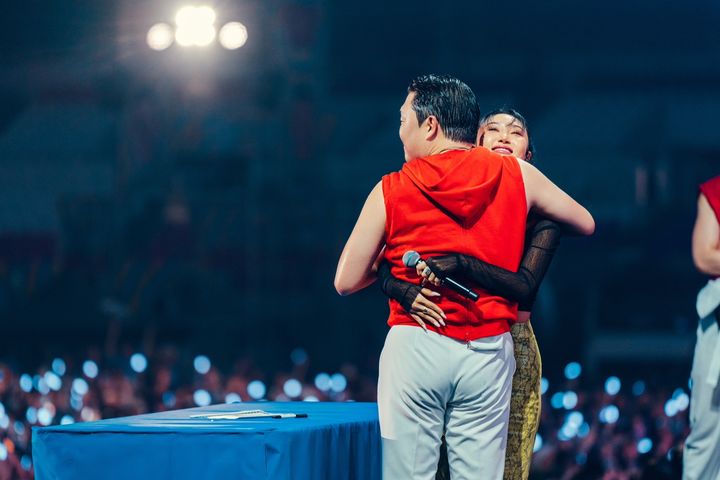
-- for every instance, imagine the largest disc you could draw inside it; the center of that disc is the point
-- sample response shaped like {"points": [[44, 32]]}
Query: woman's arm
{"points": [[413, 298], [553, 203], [520, 286]]}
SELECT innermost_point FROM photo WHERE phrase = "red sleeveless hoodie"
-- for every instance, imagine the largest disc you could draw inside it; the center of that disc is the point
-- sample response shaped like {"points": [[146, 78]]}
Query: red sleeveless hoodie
{"points": [[711, 190], [462, 201]]}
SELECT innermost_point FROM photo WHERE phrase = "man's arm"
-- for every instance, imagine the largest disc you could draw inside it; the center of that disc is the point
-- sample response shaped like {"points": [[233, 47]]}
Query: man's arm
{"points": [[355, 267], [705, 238], [551, 202]]}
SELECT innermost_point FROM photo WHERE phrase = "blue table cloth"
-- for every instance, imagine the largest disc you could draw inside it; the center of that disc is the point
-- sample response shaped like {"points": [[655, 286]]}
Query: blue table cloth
{"points": [[336, 441]]}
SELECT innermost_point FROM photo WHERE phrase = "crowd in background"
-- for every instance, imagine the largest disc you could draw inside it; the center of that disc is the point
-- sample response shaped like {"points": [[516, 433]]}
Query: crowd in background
{"points": [[619, 429]]}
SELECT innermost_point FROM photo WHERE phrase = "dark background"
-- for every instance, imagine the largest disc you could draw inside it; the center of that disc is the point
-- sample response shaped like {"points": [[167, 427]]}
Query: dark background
{"points": [[203, 196]]}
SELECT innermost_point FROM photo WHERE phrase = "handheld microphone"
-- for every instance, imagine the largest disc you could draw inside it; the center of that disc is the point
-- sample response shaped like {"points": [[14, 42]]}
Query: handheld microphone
{"points": [[411, 258]]}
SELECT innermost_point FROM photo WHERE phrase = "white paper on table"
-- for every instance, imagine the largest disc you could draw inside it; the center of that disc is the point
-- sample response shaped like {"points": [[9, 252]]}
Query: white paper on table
{"points": [[235, 415]]}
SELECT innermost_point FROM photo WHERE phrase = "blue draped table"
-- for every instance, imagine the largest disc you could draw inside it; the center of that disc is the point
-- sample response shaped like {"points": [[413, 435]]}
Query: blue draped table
{"points": [[336, 441]]}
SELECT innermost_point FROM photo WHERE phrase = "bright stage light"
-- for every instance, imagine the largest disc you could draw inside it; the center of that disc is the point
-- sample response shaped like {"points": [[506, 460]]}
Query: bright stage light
{"points": [[205, 14], [195, 26], [198, 36], [160, 36], [185, 16], [233, 35]]}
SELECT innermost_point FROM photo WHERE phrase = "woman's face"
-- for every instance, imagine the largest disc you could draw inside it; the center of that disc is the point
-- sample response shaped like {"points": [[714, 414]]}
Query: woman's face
{"points": [[506, 135]]}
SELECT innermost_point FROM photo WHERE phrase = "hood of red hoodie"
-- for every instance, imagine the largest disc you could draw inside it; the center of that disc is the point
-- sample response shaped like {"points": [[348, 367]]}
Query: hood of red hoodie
{"points": [[461, 182]]}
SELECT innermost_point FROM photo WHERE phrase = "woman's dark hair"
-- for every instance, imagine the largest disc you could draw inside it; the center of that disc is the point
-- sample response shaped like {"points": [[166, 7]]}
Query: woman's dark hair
{"points": [[517, 116]]}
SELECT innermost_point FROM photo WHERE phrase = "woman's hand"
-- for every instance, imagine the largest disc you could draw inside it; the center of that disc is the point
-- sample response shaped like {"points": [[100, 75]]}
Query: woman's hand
{"points": [[435, 269], [423, 310]]}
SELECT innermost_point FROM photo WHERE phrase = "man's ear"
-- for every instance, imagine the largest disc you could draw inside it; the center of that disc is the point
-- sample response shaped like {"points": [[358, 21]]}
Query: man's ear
{"points": [[431, 126]]}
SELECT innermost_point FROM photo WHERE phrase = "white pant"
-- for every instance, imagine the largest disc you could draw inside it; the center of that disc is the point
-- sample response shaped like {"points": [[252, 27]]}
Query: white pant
{"points": [[701, 458], [430, 384]]}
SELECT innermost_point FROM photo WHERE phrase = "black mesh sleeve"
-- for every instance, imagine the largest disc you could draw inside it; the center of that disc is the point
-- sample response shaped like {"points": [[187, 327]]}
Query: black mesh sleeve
{"points": [[404, 292], [520, 286]]}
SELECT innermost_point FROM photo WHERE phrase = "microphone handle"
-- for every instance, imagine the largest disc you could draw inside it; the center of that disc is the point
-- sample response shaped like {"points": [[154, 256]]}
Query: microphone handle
{"points": [[461, 289], [455, 286]]}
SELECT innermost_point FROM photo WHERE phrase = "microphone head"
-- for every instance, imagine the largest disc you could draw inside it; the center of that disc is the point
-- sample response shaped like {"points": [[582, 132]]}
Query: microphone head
{"points": [[411, 258]]}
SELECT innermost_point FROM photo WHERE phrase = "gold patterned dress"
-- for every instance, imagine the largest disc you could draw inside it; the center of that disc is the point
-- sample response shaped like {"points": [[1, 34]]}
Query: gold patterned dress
{"points": [[524, 403]]}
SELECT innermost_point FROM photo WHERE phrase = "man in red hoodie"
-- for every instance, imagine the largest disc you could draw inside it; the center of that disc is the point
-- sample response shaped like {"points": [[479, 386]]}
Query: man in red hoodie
{"points": [[701, 456], [449, 197]]}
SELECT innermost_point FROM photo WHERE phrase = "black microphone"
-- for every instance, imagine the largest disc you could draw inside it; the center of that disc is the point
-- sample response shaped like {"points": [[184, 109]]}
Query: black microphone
{"points": [[411, 258]]}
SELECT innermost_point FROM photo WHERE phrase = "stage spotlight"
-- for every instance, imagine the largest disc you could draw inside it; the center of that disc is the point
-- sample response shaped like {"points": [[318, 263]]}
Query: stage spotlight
{"points": [[202, 364], [338, 383], [202, 398], [575, 419], [197, 37], [644, 446], [195, 26], [566, 433], [185, 16], [80, 386], [160, 36], [26, 383], [232, 398], [31, 415], [570, 400], [609, 414], [90, 369], [53, 381], [572, 370], [682, 402], [233, 35], [292, 388], [138, 362], [76, 403], [44, 416], [43, 387], [88, 414], [322, 382], [205, 14], [58, 366], [256, 389], [612, 385]]}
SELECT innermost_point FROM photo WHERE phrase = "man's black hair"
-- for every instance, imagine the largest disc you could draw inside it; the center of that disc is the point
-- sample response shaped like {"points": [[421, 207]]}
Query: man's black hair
{"points": [[449, 100]]}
